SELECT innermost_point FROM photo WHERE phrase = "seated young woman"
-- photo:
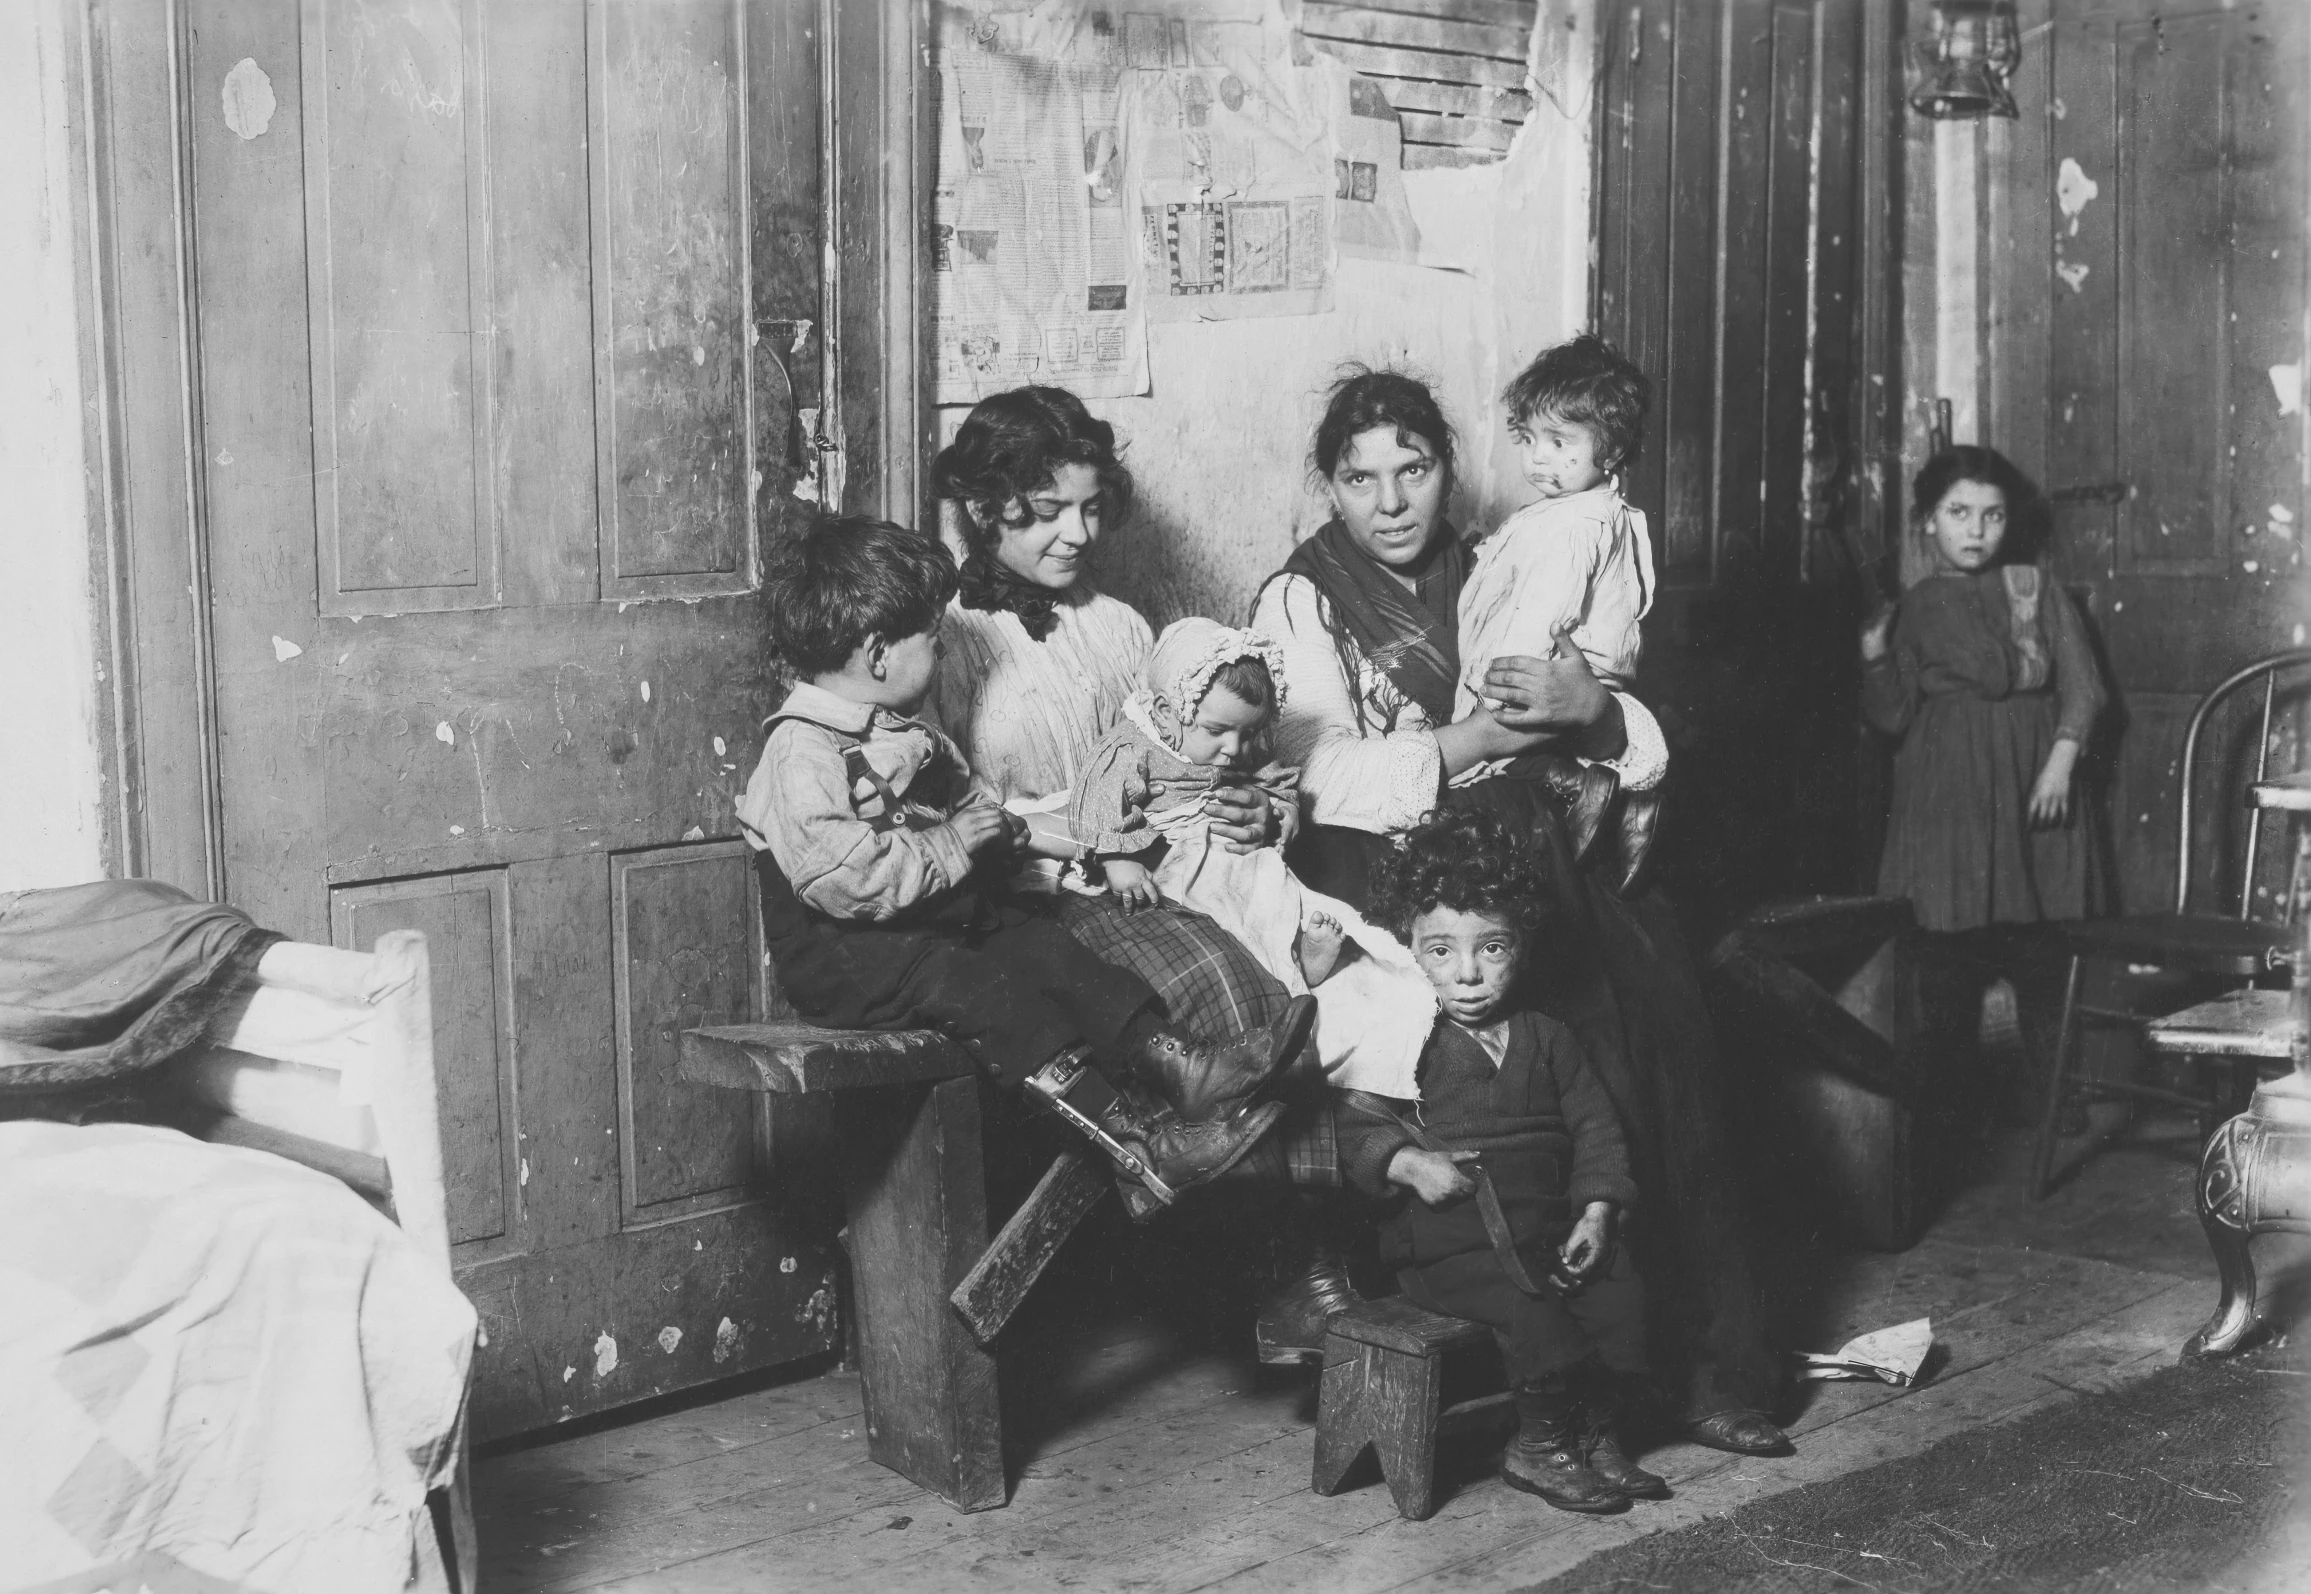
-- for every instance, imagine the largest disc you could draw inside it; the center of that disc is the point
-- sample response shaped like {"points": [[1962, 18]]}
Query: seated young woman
{"points": [[1366, 613], [1039, 665]]}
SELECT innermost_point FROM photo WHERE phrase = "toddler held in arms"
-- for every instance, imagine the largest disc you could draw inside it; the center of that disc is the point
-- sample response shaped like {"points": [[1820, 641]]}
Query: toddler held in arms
{"points": [[1570, 574], [1511, 1172], [1203, 717], [873, 842]]}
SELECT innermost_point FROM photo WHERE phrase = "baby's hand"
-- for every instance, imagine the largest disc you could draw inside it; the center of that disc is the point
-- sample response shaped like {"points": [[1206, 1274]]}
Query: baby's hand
{"points": [[1435, 1178], [1133, 886]]}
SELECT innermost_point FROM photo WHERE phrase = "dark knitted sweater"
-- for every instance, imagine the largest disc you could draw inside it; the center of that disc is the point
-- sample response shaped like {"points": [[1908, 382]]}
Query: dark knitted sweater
{"points": [[1546, 1129]]}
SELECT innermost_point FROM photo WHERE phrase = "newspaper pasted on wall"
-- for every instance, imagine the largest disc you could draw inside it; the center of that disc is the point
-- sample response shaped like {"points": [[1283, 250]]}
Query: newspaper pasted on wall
{"points": [[1229, 164], [1099, 167], [1033, 272]]}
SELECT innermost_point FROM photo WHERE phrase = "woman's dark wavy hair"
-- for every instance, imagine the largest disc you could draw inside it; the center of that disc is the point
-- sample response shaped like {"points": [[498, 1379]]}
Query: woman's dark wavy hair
{"points": [[2026, 515], [849, 577], [1469, 861], [1012, 444], [1362, 399]]}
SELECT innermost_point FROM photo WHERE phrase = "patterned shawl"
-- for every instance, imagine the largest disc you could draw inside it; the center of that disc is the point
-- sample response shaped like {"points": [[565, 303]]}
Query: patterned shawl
{"points": [[1412, 637]]}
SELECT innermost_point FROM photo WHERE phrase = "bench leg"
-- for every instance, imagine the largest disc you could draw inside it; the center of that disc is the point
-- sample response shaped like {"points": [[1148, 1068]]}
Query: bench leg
{"points": [[1389, 1401], [1001, 1278], [918, 1221]]}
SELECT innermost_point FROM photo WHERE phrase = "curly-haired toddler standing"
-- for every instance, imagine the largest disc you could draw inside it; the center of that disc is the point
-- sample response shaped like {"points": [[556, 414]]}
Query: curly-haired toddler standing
{"points": [[1508, 1096]]}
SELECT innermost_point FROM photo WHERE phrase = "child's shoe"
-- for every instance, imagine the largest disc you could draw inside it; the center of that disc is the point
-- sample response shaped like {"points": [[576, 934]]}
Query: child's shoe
{"points": [[1601, 1446], [1546, 1456], [1200, 1079], [1157, 1153]]}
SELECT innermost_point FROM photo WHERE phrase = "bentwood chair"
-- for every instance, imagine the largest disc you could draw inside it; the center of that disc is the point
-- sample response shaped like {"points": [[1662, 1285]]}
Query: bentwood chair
{"points": [[2233, 947]]}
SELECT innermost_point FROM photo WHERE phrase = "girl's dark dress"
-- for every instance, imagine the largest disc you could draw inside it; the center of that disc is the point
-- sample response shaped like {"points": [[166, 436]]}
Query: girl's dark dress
{"points": [[1986, 672]]}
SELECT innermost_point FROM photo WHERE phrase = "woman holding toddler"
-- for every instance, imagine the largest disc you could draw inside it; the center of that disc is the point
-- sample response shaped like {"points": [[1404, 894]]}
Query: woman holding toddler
{"points": [[1368, 616]]}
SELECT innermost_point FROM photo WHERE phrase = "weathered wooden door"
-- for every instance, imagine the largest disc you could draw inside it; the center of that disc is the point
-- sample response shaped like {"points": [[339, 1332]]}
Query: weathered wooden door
{"points": [[1736, 241], [505, 312], [2147, 351]]}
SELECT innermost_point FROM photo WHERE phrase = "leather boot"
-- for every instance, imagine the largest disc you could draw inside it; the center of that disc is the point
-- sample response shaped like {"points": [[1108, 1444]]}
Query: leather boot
{"points": [[1640, 823], [1740, 1430], [1200, 1080], [1312, 1285], [1153, 1148], [1545, 1458], [1587, 791], [1601, 1405]]}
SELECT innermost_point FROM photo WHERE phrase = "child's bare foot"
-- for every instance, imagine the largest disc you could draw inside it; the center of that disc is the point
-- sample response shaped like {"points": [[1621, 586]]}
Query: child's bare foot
{"points": [[1320, 947]]}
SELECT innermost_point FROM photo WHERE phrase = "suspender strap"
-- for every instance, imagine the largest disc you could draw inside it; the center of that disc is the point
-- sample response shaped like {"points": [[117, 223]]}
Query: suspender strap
{"points": [[1488, 1201]]}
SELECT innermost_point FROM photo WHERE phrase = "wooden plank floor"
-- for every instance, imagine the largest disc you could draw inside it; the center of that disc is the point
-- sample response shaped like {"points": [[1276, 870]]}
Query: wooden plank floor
{"points": [[1150, 1455]]}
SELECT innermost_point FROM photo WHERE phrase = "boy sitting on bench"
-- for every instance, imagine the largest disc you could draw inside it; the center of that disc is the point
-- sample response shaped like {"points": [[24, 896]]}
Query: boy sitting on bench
{"points": [[870, 836], [1507, 1096]]}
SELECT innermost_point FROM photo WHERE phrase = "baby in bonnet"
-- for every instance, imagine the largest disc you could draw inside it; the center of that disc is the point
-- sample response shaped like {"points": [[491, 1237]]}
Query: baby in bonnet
{"points": [[1212, 692]]}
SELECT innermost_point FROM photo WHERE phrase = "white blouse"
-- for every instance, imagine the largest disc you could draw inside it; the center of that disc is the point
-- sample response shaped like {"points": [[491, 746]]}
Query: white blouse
{"points": [[1027, 714], [1365, 779]]}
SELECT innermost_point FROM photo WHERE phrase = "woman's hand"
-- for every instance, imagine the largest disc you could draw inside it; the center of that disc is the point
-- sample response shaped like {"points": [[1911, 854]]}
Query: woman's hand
{"points": [[1878, 635], [1241, 816], [2050, 796], [1434, 1177], [1559, 694], [1133, 886], [1589, 1247]]}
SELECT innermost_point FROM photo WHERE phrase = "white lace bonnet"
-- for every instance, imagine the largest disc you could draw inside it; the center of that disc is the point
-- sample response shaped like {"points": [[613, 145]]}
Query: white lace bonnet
{"points": [[1190, 652]]}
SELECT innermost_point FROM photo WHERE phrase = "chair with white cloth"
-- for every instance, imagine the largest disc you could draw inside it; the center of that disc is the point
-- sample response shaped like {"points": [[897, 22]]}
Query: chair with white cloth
{"points": [[236, 1351]]}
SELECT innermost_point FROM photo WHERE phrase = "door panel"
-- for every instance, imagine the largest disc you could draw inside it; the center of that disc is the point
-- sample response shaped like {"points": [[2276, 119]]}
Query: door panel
{"points": [[2171, 208], [484, 413], [678, 967], [670, 272], [465, 922], [397, 206], [2169, 180]]}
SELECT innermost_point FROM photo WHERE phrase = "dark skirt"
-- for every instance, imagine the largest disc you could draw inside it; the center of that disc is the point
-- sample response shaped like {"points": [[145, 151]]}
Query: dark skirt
{"points": [[1618, 973], [1959, 842]]}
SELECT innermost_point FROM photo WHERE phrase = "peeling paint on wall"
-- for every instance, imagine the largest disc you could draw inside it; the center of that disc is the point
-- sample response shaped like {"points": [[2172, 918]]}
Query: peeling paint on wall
{"points": [[2287, 382], [248, 97], [2073, 189], [605, 1355]]}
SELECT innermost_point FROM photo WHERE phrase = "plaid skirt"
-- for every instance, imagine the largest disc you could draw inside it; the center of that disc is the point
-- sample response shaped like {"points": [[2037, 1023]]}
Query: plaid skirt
{"points": [[1211, 987]]}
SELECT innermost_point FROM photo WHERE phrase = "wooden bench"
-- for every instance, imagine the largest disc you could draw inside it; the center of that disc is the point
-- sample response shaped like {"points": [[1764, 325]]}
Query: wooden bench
{"points": [[931, 1292], [1383, 1391]]}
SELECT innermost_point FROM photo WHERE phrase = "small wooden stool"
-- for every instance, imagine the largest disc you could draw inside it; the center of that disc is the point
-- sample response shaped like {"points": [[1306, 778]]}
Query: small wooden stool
{"points": [[1383, 1378]]}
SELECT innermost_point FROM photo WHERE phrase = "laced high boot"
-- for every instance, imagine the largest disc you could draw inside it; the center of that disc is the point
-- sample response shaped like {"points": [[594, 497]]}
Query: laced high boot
{"points": [[1312, 1284], [1603, 1400], [1546, 1457], [1203, 1079], [1155, 1151]]}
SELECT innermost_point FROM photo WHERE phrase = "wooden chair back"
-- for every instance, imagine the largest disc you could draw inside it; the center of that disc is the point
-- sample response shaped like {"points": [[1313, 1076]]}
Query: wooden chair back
{"points": [[2267, 671]]}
